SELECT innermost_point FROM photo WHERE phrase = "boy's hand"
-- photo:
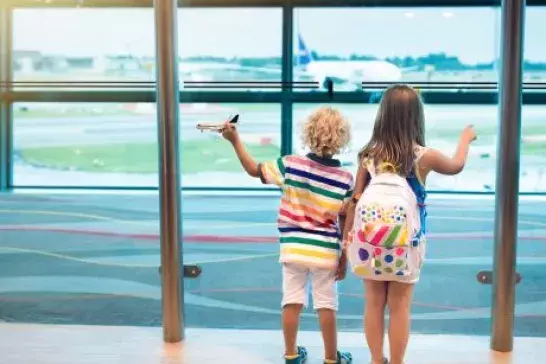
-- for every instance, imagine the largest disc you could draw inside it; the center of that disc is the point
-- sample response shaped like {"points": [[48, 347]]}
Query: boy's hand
{"points": [[229, 132], [341, 267], [469, 134]]}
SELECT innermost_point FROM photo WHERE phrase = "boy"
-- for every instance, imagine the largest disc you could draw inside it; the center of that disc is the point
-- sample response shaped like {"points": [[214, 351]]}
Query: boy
{"points": [[314, 189]]}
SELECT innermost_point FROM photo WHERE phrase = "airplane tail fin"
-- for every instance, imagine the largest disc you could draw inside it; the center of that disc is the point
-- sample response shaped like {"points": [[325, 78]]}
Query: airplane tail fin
{"points": [[304, 56]]}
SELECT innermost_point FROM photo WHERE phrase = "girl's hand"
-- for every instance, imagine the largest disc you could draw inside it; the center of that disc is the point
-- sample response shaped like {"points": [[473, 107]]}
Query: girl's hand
{"points": [[229, 132], [469, 134], [341, 271]]}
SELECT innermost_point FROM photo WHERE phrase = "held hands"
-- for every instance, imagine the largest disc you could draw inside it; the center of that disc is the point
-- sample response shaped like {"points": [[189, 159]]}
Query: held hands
{"points": [[341, 267], [229, 132], [469, 134]]}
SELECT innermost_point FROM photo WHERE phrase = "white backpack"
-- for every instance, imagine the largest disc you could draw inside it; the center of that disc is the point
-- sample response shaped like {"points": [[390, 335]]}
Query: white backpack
{"points": [[386, 224]]}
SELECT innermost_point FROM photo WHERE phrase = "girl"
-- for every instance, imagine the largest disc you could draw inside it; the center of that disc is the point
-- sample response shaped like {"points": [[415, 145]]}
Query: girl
{"points": [[397, 148]]}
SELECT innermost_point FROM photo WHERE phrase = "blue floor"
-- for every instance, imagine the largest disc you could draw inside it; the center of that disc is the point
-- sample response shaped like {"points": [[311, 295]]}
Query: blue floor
{"points": [[93, 259]]}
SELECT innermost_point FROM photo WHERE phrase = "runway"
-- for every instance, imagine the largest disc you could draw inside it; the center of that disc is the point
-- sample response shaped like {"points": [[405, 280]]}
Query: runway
{"points": [[93, 259]]}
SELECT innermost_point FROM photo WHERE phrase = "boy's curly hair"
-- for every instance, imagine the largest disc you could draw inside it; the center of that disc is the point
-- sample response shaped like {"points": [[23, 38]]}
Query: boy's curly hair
{"points": [[326, 132]]}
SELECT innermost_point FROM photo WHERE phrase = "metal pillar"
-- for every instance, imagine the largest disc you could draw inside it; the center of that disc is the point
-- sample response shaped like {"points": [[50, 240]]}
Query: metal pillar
{"points": [[169, 177], [507, 189], [6, 149], [287, 75]]}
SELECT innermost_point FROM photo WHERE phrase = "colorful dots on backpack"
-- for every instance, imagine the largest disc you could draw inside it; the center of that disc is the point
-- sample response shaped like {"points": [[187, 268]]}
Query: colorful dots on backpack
{"points": [[362, 270], [399, 273], [389, 258], [377, 251], [363, 254], [388, 270], [399, 263], [377, 264], [399, 251]]}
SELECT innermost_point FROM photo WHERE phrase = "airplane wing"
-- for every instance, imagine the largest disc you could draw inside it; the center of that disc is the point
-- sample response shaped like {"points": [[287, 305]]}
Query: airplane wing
{"points": [[411, 69]]}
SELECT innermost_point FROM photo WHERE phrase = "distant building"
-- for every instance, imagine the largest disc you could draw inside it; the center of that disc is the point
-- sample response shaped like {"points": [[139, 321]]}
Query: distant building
{"points": [[26, 61]]}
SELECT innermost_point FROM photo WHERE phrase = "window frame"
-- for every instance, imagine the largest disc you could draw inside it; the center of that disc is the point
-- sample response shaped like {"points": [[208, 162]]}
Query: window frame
{"points": [[285, 96]]}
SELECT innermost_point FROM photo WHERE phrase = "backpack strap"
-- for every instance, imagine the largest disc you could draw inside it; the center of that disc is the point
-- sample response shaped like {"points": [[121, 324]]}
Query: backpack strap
{"points": [[369, 164]]}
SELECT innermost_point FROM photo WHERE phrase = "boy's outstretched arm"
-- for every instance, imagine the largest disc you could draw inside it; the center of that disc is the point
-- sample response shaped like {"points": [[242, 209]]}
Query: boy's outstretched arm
{"points": [[249, 164]]}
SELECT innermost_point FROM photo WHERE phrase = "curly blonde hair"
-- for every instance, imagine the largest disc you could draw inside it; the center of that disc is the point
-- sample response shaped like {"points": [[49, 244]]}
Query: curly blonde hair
{"points": [[326, 132]]}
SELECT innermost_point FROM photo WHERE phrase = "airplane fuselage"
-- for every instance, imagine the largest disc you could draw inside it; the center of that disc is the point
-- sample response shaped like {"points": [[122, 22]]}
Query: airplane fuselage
{"points": [[354, 72]]}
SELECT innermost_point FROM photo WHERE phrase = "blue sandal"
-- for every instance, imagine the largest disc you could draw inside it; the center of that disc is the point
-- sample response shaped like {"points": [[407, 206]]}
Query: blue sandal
{"points": [[342, 358], [299, 359]]}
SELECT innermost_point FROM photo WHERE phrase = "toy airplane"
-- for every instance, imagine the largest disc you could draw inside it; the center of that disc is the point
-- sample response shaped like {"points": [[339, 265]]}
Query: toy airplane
{"points": [[217, 127]]}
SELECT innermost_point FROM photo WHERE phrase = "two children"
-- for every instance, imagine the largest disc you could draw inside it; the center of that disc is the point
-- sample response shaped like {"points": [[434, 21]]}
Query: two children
{"points": [[315, 193]]}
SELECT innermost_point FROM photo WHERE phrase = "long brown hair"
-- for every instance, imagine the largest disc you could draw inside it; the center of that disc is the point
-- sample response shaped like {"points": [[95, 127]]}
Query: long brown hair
{"points": [[399, 125]]}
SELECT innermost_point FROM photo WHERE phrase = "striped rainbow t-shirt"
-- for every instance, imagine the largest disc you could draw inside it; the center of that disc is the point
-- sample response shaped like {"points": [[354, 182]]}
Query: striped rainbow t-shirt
{"points": [[314, 190]]}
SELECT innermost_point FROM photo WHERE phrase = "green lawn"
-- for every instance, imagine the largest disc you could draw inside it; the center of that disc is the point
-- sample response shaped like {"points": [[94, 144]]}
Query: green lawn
{"points": [[196, 156]]}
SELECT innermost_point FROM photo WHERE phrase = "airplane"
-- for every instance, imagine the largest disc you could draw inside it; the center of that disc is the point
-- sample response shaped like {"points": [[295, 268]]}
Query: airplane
{"points": [[350, 74]]}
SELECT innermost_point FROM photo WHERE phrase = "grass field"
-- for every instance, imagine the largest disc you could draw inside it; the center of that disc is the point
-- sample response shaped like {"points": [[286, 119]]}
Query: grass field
{"points": [[196, 156]]}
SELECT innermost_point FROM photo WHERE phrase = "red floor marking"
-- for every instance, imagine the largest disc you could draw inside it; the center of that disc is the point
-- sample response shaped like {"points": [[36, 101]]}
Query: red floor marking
{"points": [[228, 238]]}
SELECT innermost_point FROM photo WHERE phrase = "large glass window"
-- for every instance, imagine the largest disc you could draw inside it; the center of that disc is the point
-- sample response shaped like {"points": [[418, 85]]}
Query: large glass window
{"points": [[530, 318], [444, 124], [115, 145], [395, 44], [240, 48], [534, 52], [67, 45]]}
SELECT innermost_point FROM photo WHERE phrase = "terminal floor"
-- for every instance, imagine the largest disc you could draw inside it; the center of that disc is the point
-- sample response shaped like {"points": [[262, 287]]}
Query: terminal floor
{"points": [[93, 259], [60, 344]]}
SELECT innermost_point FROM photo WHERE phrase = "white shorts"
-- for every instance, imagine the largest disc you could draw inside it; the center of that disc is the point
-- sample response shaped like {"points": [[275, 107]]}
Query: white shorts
{"points": [[295, 286]]}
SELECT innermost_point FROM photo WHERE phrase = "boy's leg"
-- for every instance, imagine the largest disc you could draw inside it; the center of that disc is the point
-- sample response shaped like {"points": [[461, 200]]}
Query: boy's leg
{"points": [[325, 301], [295, 294], [328, 327], [290, 325]]}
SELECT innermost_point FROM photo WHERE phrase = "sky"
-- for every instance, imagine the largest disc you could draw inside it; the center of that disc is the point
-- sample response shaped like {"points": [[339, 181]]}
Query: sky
{"points": [[472, 34]]}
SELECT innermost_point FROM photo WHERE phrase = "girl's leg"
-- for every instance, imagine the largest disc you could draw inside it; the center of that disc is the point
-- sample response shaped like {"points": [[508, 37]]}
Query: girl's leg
{"points": [[374, 318], [399, 300]]}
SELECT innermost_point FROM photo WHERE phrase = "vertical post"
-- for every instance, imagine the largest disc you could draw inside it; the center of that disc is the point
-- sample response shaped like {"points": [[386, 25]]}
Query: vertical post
{"points": [[287, 78], [6, 149], [507, 184], [169, 178]]}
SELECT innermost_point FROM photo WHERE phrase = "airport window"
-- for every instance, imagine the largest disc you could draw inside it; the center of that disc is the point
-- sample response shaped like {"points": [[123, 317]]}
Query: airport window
{"points": [[395, 44], [444, 124], [209, 161], [534, 67], [533, 149], [238, 47], [115, 145], [83, 45]]}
